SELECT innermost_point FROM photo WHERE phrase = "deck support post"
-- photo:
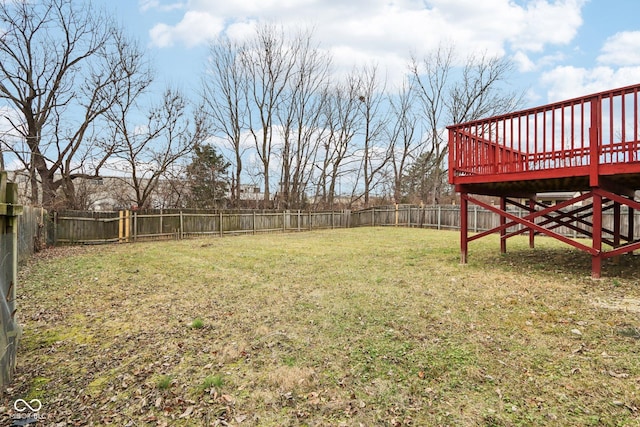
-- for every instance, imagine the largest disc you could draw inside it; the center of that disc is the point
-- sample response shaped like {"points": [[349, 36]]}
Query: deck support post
{"points": [[596, 257], [464, 226], [616, 229], [631, 226], [616, 224], [503, 230], [532, 233]]}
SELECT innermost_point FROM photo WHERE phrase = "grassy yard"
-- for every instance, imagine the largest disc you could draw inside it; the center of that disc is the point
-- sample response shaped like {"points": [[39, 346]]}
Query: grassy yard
{"points": [[371, 326]]}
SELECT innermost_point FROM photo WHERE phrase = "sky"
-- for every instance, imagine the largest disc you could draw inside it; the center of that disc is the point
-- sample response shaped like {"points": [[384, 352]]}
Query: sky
{"points": [[561, 49]]}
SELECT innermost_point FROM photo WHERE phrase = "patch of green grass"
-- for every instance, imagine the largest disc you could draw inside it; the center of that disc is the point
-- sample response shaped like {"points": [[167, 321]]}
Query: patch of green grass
{"points": [[212, 382], [197, 323], [37, 388], [164, 382], [630, 331]]}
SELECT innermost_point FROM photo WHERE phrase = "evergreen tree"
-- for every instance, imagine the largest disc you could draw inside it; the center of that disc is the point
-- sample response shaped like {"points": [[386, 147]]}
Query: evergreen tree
{"points": [[424, 181], [207, 177]]}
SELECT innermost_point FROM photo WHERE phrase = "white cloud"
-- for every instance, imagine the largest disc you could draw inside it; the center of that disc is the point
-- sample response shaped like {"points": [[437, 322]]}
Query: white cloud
{"points": [[523, 62], [195, 28], [620, 66], [621, 49], [568, 82], [387, 31], [146, 5], [547, 23]]}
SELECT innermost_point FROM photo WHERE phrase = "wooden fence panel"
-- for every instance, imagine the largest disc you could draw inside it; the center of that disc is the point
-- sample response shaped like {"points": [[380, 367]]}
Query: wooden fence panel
{"points": [[73, 227], [91, 228], [32, 232]]}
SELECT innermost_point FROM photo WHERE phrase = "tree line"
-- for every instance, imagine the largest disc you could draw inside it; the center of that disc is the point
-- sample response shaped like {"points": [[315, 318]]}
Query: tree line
{"points": [[271, 111]]}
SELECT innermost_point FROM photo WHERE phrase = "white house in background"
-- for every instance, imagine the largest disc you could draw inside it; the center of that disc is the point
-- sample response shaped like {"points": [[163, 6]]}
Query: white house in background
{"points": [[553, 198], [250, 192]]}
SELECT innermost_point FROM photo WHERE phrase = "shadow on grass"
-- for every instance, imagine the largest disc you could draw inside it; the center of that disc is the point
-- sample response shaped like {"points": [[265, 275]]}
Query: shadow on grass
{"points": [[563, 261]]}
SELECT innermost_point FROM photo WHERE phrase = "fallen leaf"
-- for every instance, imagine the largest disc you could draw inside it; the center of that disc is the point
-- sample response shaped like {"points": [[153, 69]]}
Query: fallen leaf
{"points": [[226, 398], [187, 413], [617, 375]]}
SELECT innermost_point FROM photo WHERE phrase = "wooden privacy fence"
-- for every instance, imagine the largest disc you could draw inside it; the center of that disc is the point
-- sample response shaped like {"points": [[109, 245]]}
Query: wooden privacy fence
{"points": [[10, 330], [447, 217], [129, 226]]}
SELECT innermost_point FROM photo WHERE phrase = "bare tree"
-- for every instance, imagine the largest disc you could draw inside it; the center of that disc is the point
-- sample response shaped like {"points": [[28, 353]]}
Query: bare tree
{"points": [[375, 150], [299, 117], [224, 93], [404, 135], [270, 61], [447, 100], [148, 153], [342, 122], [62, 63], [478, 93]]}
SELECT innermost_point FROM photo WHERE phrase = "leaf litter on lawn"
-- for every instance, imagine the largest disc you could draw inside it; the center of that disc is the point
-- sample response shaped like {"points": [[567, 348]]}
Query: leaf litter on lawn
{"points": [[360, 326]]}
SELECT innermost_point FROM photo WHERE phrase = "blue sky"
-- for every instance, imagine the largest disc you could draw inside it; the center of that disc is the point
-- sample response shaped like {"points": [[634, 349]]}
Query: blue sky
{"points": [[561, 48]]}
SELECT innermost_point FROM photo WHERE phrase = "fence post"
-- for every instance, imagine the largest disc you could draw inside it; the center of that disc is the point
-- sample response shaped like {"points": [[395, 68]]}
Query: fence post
{"points": [[55, 228], [299, 218], [221, 228], [120, 226], [253, 224], [396, 224], [135, 226], [10, 331], [439, 217], [284, 221], [127, 225], [180, 235], [475, 218]]}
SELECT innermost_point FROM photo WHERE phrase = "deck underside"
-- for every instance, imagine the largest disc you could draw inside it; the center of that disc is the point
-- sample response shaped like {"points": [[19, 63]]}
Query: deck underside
{"points": [[625, 184]]}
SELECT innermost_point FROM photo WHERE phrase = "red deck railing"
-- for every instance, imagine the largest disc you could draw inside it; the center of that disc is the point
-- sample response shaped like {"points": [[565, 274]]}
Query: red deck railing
{"points": [[589, 136]]}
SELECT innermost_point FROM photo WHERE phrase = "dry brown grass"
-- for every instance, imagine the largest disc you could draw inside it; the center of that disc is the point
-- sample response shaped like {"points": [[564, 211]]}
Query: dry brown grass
{"points": [[343, 327]]}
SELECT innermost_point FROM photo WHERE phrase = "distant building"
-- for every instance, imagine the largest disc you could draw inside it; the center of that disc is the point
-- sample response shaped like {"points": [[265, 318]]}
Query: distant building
{"points": [[250, 192]]}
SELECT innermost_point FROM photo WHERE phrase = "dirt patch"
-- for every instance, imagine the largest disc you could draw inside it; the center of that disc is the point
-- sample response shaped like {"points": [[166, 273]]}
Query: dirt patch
{"points": [[629, 305]]}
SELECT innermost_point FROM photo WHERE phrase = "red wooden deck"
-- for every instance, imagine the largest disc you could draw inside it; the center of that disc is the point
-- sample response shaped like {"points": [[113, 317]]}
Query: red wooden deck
{"points": [[589, 145]]}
